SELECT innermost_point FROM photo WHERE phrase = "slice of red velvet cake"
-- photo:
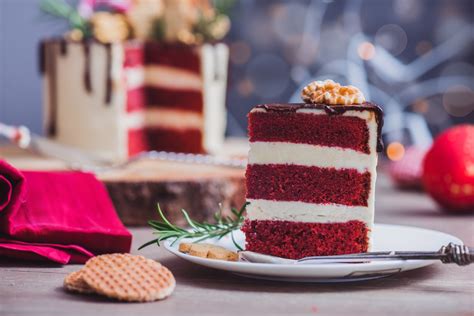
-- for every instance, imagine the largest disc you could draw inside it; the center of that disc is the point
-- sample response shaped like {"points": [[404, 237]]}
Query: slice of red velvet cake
{"points": [[311, 173]]}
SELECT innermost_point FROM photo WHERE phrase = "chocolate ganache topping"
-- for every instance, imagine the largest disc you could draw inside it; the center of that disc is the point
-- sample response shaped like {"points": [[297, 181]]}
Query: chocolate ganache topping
{"points": [[332, 110]]}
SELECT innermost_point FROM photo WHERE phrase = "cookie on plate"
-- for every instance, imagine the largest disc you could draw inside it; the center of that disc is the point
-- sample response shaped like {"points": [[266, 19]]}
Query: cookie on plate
{"points": [[209, 251]]}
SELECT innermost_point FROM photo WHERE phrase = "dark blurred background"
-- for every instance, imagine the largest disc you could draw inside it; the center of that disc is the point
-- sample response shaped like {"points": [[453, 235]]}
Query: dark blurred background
{"points": [[415, 58]]}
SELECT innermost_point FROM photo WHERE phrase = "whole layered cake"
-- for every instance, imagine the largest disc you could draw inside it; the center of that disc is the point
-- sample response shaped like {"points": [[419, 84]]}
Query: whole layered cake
{"points": [[311, 173], [136, 76], [120, 99]]}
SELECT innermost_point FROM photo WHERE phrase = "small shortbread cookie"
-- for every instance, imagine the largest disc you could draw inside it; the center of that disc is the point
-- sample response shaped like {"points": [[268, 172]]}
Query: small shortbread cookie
{"points": [[199, 250], [222, 254], [184, 247], [128, 277], [75, 283], [209, 251]]}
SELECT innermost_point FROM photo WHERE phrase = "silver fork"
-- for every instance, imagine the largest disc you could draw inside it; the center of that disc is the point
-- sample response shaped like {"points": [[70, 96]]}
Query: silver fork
{"points": [[452, 253]]}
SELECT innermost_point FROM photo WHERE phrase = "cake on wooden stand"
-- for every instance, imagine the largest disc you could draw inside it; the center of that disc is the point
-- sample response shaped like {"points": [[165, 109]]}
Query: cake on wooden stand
{"points": [[137, 76], [150, 76]]}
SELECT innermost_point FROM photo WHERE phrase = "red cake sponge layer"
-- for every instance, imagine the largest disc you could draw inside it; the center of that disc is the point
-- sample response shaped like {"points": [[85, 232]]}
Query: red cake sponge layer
{"points": [[133, 55], [135, 99], [177, 99], [295, 240], [174, 55], [156, 138], [307, 184], [324, 130]]}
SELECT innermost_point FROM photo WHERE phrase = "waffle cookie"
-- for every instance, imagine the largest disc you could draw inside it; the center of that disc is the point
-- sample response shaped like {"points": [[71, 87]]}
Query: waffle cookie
{"points": [[209, 251], [75, 283], [127, 277]]}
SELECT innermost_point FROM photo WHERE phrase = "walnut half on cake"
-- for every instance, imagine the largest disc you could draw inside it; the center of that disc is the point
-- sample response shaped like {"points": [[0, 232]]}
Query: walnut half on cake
{"points": [[311, 173]]}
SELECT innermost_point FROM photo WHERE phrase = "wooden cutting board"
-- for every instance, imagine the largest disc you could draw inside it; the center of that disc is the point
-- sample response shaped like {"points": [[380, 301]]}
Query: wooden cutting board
{"points": [[137, 189]]}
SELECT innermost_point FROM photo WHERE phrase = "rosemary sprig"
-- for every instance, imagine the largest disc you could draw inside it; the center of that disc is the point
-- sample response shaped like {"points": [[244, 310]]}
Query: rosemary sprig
{"points": [[223, 226]]}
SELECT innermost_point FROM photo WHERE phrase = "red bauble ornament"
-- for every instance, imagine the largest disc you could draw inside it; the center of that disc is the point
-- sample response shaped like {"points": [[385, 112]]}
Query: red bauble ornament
{"points": [[448, 169]]}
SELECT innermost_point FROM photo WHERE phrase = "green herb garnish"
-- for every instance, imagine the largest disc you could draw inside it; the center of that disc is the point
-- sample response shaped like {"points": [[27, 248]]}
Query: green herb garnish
{"points": [[62, 9], [223, 226]]}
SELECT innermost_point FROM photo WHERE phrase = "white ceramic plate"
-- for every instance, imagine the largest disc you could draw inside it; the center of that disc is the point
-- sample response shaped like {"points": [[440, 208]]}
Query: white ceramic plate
{"points": [[386, 237]]}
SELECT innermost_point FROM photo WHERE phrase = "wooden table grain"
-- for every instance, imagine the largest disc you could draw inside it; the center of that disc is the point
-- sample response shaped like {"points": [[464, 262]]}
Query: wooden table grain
{"points": [[36, 289]]}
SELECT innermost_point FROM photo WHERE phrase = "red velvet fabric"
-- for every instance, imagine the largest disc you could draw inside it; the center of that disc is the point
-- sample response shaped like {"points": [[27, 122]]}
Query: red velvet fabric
{"points": [[61, 216]]}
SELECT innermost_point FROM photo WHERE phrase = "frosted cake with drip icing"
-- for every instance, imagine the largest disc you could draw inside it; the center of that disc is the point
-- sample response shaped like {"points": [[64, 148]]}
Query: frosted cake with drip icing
{"points": [[119, 99]]}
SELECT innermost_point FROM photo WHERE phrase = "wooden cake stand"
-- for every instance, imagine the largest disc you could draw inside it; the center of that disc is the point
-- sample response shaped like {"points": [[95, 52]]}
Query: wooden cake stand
{"points": [[137, 189]]}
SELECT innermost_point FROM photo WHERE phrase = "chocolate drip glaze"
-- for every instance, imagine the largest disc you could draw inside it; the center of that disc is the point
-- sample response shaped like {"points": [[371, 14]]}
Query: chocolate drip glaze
{"points": [[87, 66], [42, 57], [43, 52], [48, 52], [51, 71], [63, 47], [108, 74], [333, 110]]}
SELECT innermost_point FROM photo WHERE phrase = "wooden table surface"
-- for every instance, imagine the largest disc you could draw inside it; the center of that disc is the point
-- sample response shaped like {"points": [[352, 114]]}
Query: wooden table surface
{"points": [[36, 289]]}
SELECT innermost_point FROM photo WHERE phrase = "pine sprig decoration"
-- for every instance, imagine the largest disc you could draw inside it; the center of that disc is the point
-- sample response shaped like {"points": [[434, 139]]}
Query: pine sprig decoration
{"points": [[223, 6], [223, 226], [62, 9]]}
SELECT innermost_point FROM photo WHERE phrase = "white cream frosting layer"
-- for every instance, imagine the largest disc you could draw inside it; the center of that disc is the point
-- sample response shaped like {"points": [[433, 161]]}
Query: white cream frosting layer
{"points": [[259, 209], [309, 155], [135, 77], [165, 118], [172, 78], [161, 76], [82, 118], [214, 75]]}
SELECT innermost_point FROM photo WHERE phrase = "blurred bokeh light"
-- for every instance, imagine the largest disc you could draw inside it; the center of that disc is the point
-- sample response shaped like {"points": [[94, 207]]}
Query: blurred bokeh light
{"points": [[414, 58]]}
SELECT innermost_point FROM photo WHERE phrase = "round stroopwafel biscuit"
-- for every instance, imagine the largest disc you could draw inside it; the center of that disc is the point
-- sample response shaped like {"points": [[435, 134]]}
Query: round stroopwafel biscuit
{"points": [[75, 283], [128, 278]]}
